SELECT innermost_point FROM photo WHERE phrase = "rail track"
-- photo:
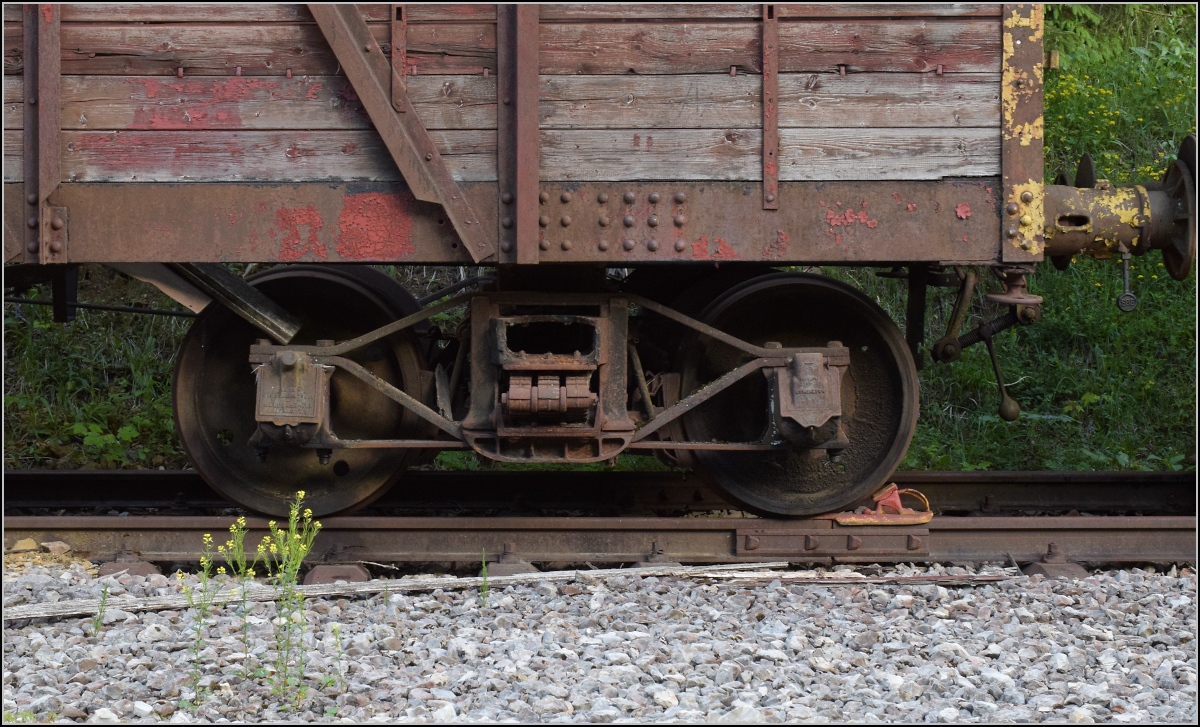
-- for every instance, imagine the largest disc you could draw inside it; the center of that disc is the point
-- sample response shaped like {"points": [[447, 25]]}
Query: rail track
{"points": [[617, 517]]}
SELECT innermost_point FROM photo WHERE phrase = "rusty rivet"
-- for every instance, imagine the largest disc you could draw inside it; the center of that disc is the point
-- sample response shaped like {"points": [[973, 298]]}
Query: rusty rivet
{"points": [[57, 223], [544, 221], [543, 197], [628, 220], [32, 198], [604, 221], [566, 244], [428, 157], [507, 101], [1026, 220], [652, 221], [652, 246], [1011, 232], [680, 197], [32, 101], [628, 244], [56, 247], [680, 220], [506, 198], [602, 197], [1024, 244], [506, 246], [853, 542], [680, 245], [506, 222], [811, 542], [629, 197], [32, 223], [566, 220], [32, 246], [915, 542], [603, 245], [1026, 197], [544, 244], [1012, 208], [367, 48], [1020, 82], [565, 197], [770, 198], [653, 198]]}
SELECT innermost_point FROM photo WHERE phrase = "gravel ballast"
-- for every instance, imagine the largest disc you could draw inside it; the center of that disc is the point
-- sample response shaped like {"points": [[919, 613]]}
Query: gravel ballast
{"points": [[1118, 646]]}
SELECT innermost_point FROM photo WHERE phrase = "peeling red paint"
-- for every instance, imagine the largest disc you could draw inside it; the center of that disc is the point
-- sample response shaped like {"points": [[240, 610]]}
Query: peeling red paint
{"points": [[313, 89], [375, 226], [778, 247], [297, 152], [649, 141], [637, 140], [234, 217], [912, 207], [963, 211], [838, 203], [864, 204], [48, 13], [837, 239], [700, 248], [262, 206], [724, 251], [965, 238], [896, 196], [349, 148], [290, 220], [849, 218], [872, 224], [822, 203]]}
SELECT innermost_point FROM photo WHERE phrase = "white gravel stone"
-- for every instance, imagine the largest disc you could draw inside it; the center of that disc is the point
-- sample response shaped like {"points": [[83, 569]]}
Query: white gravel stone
{"points": [[1114, 647]]}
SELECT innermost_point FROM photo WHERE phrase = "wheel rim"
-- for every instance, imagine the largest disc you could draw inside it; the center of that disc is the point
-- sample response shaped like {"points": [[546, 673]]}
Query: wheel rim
{"points": [[879, 395], [214, 393]]}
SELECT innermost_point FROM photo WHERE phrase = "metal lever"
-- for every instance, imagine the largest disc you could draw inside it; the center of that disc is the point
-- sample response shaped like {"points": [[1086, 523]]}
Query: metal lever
{"points": [[1126, 301], [1009, 409], [947, 349]]}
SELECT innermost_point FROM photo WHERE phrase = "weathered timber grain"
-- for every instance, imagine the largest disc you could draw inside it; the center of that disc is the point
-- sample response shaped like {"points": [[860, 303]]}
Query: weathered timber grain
{"points": [[567, 155], [434, 12], [899, 45], [869, 100]]}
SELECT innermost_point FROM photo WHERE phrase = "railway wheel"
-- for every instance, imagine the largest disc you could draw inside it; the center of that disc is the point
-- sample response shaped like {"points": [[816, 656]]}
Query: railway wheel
{"points": [[879, 395], [214, 392]]}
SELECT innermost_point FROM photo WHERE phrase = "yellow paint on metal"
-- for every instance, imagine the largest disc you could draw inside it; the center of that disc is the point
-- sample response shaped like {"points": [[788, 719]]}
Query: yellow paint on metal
{"points": [[1034, 211]]}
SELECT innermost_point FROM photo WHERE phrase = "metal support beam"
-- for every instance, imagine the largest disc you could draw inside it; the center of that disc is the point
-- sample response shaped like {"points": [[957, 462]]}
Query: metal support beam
{"points": [[46, 233], [65, 293], [1021, 134], [215, 280], [517, 132], [770, 106], [405, 137], [399, 18]]}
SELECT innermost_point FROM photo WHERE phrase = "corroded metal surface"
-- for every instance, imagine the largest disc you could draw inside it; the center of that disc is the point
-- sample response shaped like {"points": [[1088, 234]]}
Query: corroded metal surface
{"points": [[1021, 132]]}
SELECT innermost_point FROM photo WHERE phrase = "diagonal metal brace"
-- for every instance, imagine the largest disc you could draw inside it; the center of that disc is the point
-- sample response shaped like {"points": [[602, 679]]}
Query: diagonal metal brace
{"points": [[407, 140]]}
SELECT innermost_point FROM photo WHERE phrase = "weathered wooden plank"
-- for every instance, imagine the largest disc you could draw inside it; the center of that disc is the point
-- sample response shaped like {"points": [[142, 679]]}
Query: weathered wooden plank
{"points": [[735, 154], [567, 102], [905, 45], [188, 13], [567, 155]]}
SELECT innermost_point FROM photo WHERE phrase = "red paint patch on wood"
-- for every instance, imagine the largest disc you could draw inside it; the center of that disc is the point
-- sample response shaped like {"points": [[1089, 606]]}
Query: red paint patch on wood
{"points": [[295, 246], [911, 207], [963, 211], [649, 141], [637, 140], [375, 226], [48, 13], [965, 238], [700, 248], [896, 196], [349, 148], [724, 251], [234, 217], [822, 203], [872, 224], [837, 239]]}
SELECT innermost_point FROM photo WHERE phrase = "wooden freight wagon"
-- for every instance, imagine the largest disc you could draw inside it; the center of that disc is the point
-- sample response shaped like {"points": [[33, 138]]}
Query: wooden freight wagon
{"points": [[700, 146]]}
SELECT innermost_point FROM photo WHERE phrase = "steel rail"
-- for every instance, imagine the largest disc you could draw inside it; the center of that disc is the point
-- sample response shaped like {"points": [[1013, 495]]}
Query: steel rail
{"points": [[628, 493], [1086, 539]]}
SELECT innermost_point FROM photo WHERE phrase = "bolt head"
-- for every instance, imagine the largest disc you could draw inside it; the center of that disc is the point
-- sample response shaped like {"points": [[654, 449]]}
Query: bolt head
{"points": [[1012, 208], [32, 222], [1027, 197], [680, 220], [57, 223], [544, 244], [32, 199], [506, 246], [629, 197], [628, 220], [652, 221], [506, 198], [604, 221], [544, 221], [428, 157], [652, 246], [566, 220], [603, 245], [1011, 233], [770, 198], [543, 197], [1026, 220], [288, 358], [566, 245], [31, 246], [602, 197], [565, 197], [506, 223], [653, 198], [680, 245], [628, 244], [680, 197], [56, 247]]}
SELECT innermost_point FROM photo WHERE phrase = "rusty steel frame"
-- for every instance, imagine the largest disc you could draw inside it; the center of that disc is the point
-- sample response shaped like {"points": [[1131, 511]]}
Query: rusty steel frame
{"points": [[770, 108], [46, 226], [399, 22], [405, 137], [1021, 133], [1089, 539], [517, 139]]}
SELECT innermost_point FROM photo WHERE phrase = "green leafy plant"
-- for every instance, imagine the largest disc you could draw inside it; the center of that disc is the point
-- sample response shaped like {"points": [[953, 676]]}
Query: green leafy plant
{"points": [[98, 619], [483, 587]]}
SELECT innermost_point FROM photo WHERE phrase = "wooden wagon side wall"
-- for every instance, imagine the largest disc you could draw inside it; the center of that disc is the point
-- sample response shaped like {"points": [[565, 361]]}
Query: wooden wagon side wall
{"points": [[627, 92]]}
